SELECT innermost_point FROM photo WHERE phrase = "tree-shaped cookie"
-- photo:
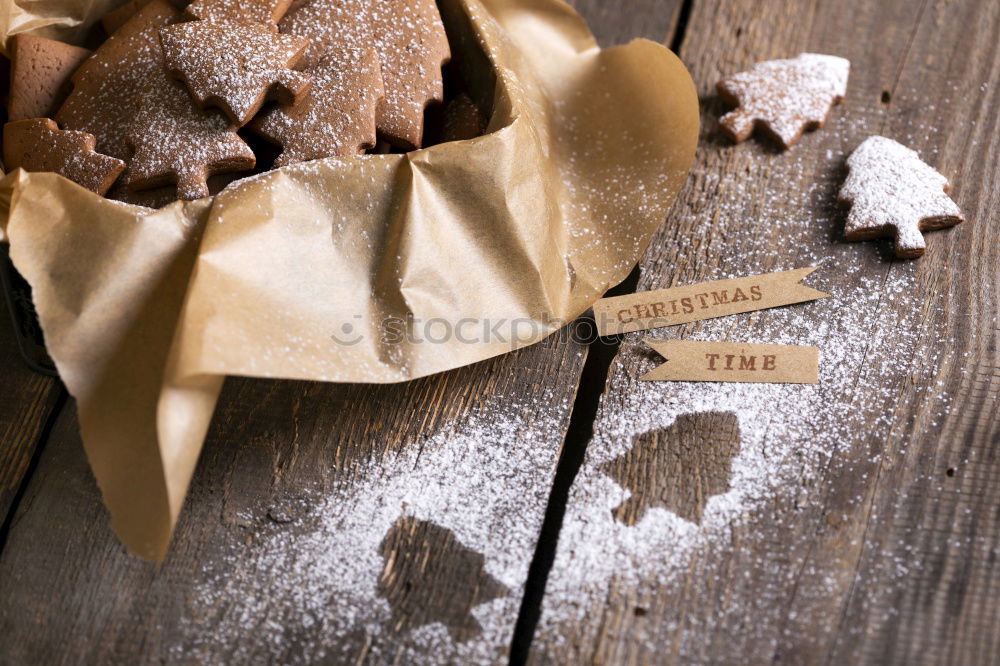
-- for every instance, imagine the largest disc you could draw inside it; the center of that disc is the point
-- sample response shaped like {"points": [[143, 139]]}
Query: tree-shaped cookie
{"points": [[136, 112], [39, 145], [106, 87], [892, 192], [338, 115], [411, 41], [336, 118], [408, 36], [173, 141], [783, 97], [235, 66]]}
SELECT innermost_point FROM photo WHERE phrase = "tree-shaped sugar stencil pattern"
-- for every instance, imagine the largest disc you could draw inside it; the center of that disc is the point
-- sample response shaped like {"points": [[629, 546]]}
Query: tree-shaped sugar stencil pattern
{"points": [[678, 468], [429, 576]]}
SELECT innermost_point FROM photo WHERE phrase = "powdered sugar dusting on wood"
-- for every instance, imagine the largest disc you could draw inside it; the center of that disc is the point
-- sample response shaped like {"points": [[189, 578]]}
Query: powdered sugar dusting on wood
{"points": [[790, 436], [486, 479]]}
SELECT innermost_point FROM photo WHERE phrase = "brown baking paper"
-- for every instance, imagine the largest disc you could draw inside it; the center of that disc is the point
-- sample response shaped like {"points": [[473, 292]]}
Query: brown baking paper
{"points": [[365, 269], [706, 300], [692, 361], [65, 20]]}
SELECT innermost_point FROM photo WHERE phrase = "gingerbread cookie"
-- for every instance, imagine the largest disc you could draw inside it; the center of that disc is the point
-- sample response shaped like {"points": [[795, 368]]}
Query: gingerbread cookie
{"points": [[40, 71], [462, 120], [411, 41], [892, 192], [783, 97], [235, 66], [262, 12], [39, 145], [338, 115], [336, 118], [124, 97], [172, 141]]}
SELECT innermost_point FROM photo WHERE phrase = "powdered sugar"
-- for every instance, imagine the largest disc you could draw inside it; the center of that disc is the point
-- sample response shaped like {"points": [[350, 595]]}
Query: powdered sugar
{"points": [[486, 479], [789, 434]]}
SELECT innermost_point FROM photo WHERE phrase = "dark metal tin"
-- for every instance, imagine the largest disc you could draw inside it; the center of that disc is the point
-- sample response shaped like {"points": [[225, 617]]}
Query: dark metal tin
{"points": [[27, 331]]}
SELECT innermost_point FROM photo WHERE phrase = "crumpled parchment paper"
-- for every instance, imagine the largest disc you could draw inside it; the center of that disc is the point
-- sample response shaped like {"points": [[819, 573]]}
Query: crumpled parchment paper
{"points": [[377, 268]]}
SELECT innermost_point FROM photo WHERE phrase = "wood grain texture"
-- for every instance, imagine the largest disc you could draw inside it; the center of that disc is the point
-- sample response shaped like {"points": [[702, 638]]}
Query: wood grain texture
{"points": [[27, 400], [686, 463], [324, 523], [861, 522], [620, 22]]}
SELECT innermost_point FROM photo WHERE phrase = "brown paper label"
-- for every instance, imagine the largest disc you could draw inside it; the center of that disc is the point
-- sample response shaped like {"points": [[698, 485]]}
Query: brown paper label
{"points": [[690, 361], [680, 305]]}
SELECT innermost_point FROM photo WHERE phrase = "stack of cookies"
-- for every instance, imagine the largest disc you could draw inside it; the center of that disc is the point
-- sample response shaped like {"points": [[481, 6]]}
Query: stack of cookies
{"points": [[178, 102]]}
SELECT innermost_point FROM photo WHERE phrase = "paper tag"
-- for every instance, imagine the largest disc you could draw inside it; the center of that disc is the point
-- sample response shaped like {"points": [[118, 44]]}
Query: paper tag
{"points": [[690, 361], [680, 305]]}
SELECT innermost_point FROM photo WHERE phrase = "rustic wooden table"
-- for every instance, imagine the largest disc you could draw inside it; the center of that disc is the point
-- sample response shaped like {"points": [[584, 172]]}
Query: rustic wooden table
{"points": [[546, 505]]}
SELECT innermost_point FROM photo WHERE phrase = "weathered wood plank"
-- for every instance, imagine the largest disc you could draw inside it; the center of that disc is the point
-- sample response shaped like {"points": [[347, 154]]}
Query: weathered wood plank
{"points": [[616, 23], [858, 519], [324, 522], [27, 400]]}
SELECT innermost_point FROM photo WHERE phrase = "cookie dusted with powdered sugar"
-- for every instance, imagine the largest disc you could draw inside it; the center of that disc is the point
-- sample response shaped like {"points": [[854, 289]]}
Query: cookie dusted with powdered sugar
{"points": [[39, 145], [338, 116], [893, 193], [235, 67], [175, 143], [106, 87], [410, 38], [783, 97]]}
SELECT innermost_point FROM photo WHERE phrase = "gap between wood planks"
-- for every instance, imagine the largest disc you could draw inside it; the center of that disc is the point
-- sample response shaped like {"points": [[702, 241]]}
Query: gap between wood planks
{"points": [[43, 437], [600, 354]]}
